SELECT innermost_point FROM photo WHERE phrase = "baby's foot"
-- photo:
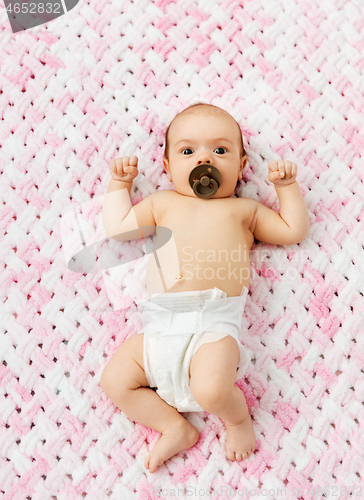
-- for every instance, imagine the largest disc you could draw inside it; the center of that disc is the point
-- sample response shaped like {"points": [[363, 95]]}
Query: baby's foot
{"points": [[240, 440], [172, 441]]}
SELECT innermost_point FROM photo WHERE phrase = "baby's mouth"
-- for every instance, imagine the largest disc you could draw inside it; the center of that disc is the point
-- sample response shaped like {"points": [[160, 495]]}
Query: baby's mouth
{"points": [[205, 180]]}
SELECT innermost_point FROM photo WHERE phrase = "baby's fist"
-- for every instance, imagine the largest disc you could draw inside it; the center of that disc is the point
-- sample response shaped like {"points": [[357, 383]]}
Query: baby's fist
{"points": [[124, 169], [282, 172]]}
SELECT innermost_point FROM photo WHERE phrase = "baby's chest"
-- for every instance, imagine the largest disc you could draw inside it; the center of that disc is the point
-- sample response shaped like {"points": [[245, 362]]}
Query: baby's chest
{"points": [[198, 235], [205, 223], [202, 227], [202, 214]]}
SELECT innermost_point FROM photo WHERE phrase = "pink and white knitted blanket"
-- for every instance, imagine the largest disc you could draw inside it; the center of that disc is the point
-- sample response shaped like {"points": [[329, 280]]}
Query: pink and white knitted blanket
{"points": [[105, 80]]}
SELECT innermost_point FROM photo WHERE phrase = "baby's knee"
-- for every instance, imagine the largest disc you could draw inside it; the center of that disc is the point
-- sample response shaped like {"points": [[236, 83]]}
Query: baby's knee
{"points": [[107, 380], [112, 378], [210, 394], [123, 371], [116, 388]]}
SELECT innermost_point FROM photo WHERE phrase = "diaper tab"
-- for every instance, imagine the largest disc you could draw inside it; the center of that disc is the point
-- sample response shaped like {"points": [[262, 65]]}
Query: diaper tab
{"points": [[184, 322], [213, 312], [155, 318], [158, 319]]}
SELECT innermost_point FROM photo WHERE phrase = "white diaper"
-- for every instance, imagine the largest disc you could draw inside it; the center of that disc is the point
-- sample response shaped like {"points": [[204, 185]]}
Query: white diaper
{"points": [[175, 325]]}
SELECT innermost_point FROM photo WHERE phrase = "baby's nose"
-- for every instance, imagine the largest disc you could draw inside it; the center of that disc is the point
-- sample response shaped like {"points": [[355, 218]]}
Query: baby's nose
{"points": [[203, 159]]}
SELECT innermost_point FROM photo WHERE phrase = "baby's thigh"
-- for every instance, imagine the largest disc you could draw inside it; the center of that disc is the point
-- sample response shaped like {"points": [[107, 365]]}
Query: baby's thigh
{"points": [[214, 365], [126, 366]]}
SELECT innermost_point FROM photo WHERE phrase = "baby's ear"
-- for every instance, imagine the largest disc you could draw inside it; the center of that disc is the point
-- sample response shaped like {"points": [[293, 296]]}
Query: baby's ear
{"points": [[166, 168], [243, 162]]}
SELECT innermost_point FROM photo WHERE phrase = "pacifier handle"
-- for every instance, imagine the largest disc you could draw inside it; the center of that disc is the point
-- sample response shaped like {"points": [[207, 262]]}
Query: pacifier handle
{"points": [[205, 180]]}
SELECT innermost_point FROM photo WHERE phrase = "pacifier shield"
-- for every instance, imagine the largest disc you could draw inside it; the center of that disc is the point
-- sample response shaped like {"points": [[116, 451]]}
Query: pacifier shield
{"points": [[205, 180]]}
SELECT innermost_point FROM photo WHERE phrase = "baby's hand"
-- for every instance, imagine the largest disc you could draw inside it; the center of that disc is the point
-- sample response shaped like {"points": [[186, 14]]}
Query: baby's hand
{"points": [[282, 172], [124, 169]]}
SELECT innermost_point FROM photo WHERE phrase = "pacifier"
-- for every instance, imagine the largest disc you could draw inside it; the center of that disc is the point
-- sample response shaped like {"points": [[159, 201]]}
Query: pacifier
{"points": [[205, 180]]}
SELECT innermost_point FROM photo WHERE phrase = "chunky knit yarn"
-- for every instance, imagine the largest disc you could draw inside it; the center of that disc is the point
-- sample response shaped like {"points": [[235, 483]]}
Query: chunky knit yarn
{"points": [[105, 80]]}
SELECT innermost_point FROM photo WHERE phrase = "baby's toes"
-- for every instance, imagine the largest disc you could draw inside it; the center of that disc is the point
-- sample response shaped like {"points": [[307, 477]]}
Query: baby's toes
{"points": [[230, 455], [155, 463]]}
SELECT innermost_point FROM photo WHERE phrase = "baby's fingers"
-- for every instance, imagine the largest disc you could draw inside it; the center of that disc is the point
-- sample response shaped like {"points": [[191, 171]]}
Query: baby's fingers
{"points": [[133, 171], [112, 165], [124, 169], [294, 170], [282, 172], [274, 170], [282, 167], [275, 176], [289, 170], [275, 166], [133, 161], [116, 166]]}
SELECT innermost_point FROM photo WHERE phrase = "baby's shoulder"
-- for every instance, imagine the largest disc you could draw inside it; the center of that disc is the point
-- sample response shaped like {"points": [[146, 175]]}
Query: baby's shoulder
{"points": [[162, 197], [247, 203], [161, 200], [247, 208]]}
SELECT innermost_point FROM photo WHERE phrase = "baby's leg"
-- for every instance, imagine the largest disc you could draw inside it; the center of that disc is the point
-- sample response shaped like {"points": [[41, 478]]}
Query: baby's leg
{"points": [[213, 374], [124, 382]]}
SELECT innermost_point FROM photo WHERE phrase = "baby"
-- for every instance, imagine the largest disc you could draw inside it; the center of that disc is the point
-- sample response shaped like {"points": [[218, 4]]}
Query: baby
{"points": [[188, 356]]}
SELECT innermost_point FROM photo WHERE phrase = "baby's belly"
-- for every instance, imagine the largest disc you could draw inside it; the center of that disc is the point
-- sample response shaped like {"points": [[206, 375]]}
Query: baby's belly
{"points": [[199, 269]]}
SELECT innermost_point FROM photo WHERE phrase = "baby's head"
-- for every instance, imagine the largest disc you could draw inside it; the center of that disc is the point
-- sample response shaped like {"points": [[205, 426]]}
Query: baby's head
{"points": [[204, 133]]}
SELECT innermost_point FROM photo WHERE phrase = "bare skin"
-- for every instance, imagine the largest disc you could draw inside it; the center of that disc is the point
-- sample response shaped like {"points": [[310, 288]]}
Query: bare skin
{"points": [[143, 405], [212, 383], [212, 241], [213, 363]]}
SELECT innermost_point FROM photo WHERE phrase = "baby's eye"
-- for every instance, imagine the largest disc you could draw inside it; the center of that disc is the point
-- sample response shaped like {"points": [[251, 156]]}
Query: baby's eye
{"points": [[223, 151], [187, 149]]}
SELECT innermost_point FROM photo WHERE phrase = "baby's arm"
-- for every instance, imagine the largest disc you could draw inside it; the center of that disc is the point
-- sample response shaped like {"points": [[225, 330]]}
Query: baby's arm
{"points": [[291, 225], [121, 220]]}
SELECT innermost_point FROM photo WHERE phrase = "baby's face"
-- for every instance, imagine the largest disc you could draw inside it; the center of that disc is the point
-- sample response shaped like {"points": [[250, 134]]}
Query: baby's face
{"points": [[198, 138]]}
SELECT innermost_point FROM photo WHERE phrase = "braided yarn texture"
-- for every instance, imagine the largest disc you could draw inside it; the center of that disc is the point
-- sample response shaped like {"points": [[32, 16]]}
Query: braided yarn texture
{"points": [[105, 80]]}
